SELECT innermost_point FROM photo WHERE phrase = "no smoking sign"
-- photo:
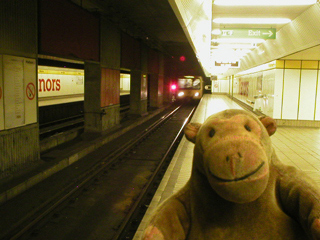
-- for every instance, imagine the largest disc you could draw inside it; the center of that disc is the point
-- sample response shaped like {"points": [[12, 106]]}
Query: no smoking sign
{"points": [[30, 91]]}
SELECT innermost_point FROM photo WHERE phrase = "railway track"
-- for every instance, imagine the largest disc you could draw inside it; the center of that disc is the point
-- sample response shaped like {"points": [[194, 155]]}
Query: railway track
{"points": [[52, 121], [51, 128], [108, 200]]}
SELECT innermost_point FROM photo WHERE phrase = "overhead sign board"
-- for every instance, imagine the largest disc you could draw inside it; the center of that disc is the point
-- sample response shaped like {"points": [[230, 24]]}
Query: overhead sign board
{"points": [[262, 33], [235, 64]]}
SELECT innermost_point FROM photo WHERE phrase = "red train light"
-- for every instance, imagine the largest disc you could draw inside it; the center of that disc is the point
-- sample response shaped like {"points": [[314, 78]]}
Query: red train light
{"points": [[173, 87], [182, 58]]}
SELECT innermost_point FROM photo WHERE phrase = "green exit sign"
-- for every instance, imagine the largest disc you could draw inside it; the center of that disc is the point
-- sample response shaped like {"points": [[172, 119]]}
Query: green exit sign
{"points": [[262, 33]]}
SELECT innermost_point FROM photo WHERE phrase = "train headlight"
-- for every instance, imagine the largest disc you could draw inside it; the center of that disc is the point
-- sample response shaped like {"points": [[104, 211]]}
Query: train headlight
{"points": [[196, 94], [180, 94]]}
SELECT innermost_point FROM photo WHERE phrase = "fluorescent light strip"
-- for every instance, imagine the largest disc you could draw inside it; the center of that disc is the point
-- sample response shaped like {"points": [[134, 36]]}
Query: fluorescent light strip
{"points": [[252, 20], [238, 40], [263, 2], [216, 32], [235, 46]]}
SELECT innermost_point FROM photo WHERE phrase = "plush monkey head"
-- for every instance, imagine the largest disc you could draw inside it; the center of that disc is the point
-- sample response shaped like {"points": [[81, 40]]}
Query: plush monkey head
{"points": [[233, 151]]}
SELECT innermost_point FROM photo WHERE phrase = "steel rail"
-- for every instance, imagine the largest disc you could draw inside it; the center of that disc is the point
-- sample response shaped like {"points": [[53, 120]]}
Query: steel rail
{"points": [[154, 175], [50, 205]]}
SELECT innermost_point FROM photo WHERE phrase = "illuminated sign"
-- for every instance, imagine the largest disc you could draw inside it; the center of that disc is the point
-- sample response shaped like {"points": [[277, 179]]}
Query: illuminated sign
{"points": [[54, 81], [235, 64], [261, 33]]}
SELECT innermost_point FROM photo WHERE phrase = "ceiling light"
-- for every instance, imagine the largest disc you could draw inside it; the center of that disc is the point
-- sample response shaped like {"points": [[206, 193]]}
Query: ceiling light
{"points": [[216, 31], [228, 55], [235, 46], [238, 40], [263, 2], [252, 20]]}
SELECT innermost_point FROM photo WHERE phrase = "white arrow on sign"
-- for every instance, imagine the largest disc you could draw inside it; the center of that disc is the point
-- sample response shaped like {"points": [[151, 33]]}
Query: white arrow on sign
{"points": [[268, 33]]}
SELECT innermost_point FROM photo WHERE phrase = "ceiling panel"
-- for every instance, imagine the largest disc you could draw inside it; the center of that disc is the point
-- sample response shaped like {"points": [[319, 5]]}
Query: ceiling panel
{"points": [[291, 12], [156, 20], [308, 54], [293, 40]]}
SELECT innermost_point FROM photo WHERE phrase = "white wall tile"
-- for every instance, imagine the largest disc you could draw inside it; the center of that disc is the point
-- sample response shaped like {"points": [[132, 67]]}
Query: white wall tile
{"points": [[278, 87], [307, 94], [223, 86], [318, 99], [291, 94]]}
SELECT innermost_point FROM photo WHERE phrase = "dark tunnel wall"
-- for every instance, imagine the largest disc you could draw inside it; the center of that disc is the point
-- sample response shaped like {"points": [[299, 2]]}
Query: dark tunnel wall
{"points": [[67, 30]]}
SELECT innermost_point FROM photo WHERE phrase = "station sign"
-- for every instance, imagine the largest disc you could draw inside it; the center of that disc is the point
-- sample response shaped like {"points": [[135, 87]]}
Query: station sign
{"points": [[55, 81], [235, 64], [261, 33]]}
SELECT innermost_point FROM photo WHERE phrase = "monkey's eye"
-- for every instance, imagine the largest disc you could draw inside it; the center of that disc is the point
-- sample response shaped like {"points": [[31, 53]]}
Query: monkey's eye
{"points": [[212, 132], [247, 128]]}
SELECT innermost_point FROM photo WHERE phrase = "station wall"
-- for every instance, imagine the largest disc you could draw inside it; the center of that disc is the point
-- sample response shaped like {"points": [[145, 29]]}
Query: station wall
{"points": [[18, 21], [19, 133], [80, 30], [288, 90], [299, 85]]}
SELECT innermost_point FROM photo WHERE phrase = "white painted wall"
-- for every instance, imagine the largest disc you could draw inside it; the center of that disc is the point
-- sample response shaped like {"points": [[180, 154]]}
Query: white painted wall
{"points": [[307, 94], [278, 88], [224, 86], [317, 107], [291, 94]]}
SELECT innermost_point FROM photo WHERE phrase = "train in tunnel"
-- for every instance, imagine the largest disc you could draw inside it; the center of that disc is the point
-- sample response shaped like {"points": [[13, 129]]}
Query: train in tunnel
{"points": [[188, 88]]}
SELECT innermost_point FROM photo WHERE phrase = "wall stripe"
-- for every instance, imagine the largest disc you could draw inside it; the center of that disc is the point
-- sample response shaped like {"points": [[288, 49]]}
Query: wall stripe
{"points": [[316, 96], [309, 65], [292, 64], [299, 98], [282, 92]]}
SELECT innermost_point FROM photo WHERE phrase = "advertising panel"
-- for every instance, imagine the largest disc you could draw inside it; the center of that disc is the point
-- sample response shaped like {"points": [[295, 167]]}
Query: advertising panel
{"points": [[144, 87], [14, 110], [110, 87], [18, 101]]}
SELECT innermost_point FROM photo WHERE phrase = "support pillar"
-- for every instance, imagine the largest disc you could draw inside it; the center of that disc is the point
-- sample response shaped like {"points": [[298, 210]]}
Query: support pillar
{"points": [[156, 90], [19, 127], [138, 93], [101, 105]]}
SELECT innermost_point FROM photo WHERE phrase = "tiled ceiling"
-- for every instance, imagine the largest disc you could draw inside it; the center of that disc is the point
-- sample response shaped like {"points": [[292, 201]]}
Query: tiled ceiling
{"points": [[219, 11], [154, 21], [312, 53], [290, 12]]}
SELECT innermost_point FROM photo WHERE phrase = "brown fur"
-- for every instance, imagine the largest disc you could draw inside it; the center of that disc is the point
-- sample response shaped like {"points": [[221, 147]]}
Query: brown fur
{"points": [[238, 188]]}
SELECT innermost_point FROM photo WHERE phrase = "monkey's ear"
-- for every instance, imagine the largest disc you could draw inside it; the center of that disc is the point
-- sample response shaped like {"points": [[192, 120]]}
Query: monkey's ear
{"points": [[191, 131], [269, 123]]}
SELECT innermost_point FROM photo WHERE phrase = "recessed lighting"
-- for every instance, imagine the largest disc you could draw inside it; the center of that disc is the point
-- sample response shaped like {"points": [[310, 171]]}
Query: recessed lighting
{"points": [[238, 40], [252, 20], [216, 31], [235, 46], [263, 2]]}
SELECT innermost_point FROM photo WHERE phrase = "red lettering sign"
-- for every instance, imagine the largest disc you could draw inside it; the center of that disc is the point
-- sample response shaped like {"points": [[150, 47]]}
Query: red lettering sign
{"points": [[49, 85]]}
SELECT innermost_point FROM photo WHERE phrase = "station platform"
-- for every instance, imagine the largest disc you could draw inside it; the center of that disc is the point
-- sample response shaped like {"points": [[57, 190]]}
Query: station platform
{"points": [[299, 147]]}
